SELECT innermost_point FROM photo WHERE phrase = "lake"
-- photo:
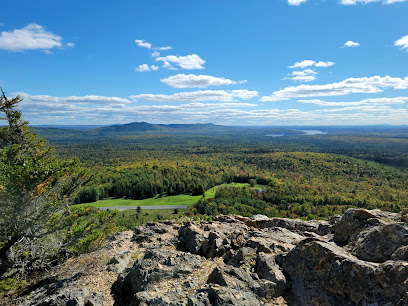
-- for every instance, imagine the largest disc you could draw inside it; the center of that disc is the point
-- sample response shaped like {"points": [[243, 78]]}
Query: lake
{"points": [[306, 133]]}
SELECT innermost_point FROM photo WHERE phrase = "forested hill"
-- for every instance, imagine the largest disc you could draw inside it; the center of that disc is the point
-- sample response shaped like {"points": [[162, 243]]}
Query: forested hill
{"points": [[144, 127], [138, 128], [384, 144]]}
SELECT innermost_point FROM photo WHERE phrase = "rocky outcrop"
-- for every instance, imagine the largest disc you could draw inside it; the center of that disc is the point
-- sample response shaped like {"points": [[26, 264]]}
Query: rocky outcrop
{"points": [[322, 273], [355, 259]]}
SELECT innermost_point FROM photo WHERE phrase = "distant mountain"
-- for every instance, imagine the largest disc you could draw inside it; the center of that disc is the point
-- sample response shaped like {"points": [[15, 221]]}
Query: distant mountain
{"points": [[127, 128], [72, 127], [144, 127]]}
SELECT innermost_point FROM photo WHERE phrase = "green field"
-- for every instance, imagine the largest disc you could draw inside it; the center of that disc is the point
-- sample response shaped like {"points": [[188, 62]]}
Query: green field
{"points": [[182, 199], [210, 193]]}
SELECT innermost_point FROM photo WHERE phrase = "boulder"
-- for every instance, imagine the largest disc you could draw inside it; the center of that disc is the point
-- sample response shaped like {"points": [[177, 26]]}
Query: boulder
{"points": [[119, 262], [378, 243], [267, 268], [323, 273]]}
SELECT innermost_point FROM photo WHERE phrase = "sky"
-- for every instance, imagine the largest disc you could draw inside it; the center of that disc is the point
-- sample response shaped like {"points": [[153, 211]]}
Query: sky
{"points": [[229, 62]]}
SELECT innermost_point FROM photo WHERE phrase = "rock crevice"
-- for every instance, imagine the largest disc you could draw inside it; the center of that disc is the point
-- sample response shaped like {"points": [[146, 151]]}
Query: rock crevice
{"points": [[355, 259]]}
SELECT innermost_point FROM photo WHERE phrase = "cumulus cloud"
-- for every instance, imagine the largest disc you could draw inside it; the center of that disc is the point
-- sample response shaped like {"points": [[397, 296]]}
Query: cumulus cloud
{"points": [[146, 67], [306, 75], [309, 63], [155, 54], [31, 37], [402, 42], [143, 44], [350, 44], [198, 96], [373, 101], [71, 44], [196, 81], [296, 2], [188, 62], [352, 85]]}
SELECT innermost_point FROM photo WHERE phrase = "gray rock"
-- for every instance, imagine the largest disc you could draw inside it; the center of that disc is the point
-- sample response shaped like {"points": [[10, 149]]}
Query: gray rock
{"points": [[352, 221], [325, 274], [378, 243], [401, 253], [119, 263], [219, 295], [96, 299], [267, 268], [355, 259]]}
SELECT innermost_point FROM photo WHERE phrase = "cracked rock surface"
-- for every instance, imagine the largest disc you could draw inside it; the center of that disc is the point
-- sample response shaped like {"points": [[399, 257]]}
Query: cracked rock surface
{"points": [[355, 259]]}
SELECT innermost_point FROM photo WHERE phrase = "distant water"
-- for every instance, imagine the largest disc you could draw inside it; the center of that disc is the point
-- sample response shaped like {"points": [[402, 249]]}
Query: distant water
{"points": [[312, 132], [306, 133]]}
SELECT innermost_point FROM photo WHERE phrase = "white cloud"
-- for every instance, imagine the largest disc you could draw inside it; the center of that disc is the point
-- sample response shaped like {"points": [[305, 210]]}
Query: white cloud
{"points": [[303, 78], [31, 37], [309, 63], [304, 72], [190, 106], [146, 67], [155, 54], [163, 48], [354, 2], [71, 44], [143, 44], [196, 81], [198, 96], [402, 42], [296, 2], [350, 44], [324, 64], [92, 109], [352, 85], [189, 62], [306, 75], [88, 99], [373, 101]]}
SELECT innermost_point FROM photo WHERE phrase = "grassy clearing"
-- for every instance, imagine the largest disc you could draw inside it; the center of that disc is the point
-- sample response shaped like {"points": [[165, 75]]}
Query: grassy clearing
{"points": [[128, 219], [182, 199], [210, 193]]}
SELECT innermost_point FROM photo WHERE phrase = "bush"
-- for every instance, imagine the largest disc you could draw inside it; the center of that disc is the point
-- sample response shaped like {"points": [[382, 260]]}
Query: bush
{"points": [[11, 284]]}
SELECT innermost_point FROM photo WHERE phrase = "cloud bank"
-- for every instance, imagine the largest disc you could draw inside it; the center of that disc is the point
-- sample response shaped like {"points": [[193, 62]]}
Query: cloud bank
{"points": [[351, 85], [197, 96]]}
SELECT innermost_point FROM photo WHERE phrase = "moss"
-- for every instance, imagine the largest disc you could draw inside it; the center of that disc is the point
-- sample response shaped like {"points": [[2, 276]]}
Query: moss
{"points": [[11, 284], [138, 254]]}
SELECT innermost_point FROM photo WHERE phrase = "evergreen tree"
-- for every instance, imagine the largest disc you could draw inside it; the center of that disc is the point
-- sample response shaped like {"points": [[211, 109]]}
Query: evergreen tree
{"points": [[34, 184]]}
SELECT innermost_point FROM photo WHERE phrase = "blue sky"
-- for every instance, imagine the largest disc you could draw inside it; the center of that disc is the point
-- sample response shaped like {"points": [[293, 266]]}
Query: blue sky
{"points": [[232, 62]]}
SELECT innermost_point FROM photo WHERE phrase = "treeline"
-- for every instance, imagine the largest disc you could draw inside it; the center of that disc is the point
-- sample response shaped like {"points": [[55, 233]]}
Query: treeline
{"points": [[277, 202], [296, 177], [142, 183]]}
